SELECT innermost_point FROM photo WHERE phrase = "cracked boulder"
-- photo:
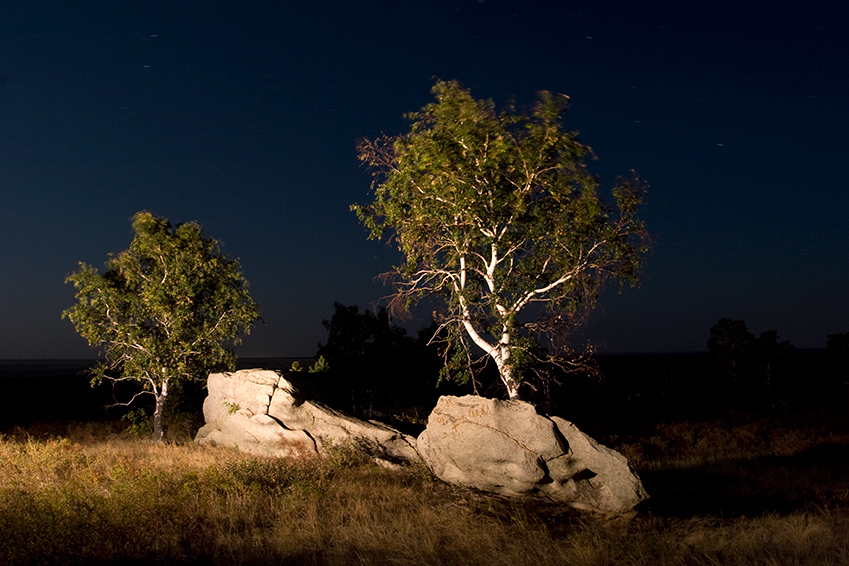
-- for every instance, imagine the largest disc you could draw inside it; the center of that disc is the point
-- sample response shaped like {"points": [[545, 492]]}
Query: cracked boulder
{"points": [[261, 412], [508, 448]]}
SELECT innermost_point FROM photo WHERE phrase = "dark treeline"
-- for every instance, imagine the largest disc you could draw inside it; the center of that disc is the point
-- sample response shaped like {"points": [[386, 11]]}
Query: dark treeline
{"points": [[370, 367], [374, 369]]}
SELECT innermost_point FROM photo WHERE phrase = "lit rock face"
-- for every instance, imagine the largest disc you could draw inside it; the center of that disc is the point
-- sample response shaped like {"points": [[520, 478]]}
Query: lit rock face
{"points": [[261, 412], [508, 448]]}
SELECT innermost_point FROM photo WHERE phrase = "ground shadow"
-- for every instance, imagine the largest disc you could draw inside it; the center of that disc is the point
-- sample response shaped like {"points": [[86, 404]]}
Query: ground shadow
{"points": [[818, 476]]}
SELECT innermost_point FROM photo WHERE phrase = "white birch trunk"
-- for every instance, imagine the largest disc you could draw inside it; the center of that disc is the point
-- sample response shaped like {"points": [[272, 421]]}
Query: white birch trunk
{"points": [[500, 354], [502, 358], [500, 351], [158, 433]]}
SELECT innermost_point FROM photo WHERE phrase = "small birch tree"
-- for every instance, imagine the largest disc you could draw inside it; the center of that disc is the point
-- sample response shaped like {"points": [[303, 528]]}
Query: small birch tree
{"points": [[496, 214], [164, 311]]}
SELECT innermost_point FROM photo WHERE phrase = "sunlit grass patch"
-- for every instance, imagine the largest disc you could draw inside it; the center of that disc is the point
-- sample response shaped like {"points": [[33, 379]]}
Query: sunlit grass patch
{"points": [[102, 497]]}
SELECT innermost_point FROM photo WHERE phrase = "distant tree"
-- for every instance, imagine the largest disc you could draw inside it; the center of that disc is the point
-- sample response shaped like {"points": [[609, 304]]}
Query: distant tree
{"points": [[731, 346], [770, 350], [749, 362], [838, 343], [368, 361], [164, 311], [837, 347], [352, 334], [497, 216]]}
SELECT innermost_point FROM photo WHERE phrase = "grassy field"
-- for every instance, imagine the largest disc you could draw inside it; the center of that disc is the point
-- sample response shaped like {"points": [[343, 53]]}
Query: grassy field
{"points": [[735, 491]]}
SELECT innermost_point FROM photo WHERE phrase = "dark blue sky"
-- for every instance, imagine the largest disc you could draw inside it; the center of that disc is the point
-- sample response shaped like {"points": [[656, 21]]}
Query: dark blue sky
{"points": [[243, 116]]}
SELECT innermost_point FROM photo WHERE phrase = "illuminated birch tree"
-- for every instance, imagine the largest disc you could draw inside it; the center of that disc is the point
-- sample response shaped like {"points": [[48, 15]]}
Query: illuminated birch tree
{"points": [[164, 311], [496, 214]]}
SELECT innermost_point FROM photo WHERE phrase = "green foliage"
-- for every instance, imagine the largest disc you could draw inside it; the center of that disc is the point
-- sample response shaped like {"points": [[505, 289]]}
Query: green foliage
{"points": [[320, 366], [496, 214], [141, 424], [168, 309]]}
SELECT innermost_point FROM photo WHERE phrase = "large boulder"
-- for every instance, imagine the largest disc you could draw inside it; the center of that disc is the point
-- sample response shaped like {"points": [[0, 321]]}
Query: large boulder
{"points": [[261, 412], [506, 447]]}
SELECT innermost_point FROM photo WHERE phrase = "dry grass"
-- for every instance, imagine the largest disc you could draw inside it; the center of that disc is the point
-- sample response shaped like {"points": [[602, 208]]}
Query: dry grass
{"points": [[90, 494], [682, 445]]}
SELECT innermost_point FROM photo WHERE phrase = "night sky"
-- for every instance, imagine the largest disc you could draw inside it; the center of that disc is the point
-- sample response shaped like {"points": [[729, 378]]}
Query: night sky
{"points": [[244, 116]]}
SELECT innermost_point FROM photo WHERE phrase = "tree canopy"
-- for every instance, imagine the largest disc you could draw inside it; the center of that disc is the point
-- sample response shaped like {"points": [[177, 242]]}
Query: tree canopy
{"points": [[745, 364], [372, 365], [165, 311], [497, 215]]}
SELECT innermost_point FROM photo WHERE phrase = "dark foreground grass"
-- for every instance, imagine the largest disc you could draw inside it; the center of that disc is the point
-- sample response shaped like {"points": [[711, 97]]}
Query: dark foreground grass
{"points": [[93, 495]]}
